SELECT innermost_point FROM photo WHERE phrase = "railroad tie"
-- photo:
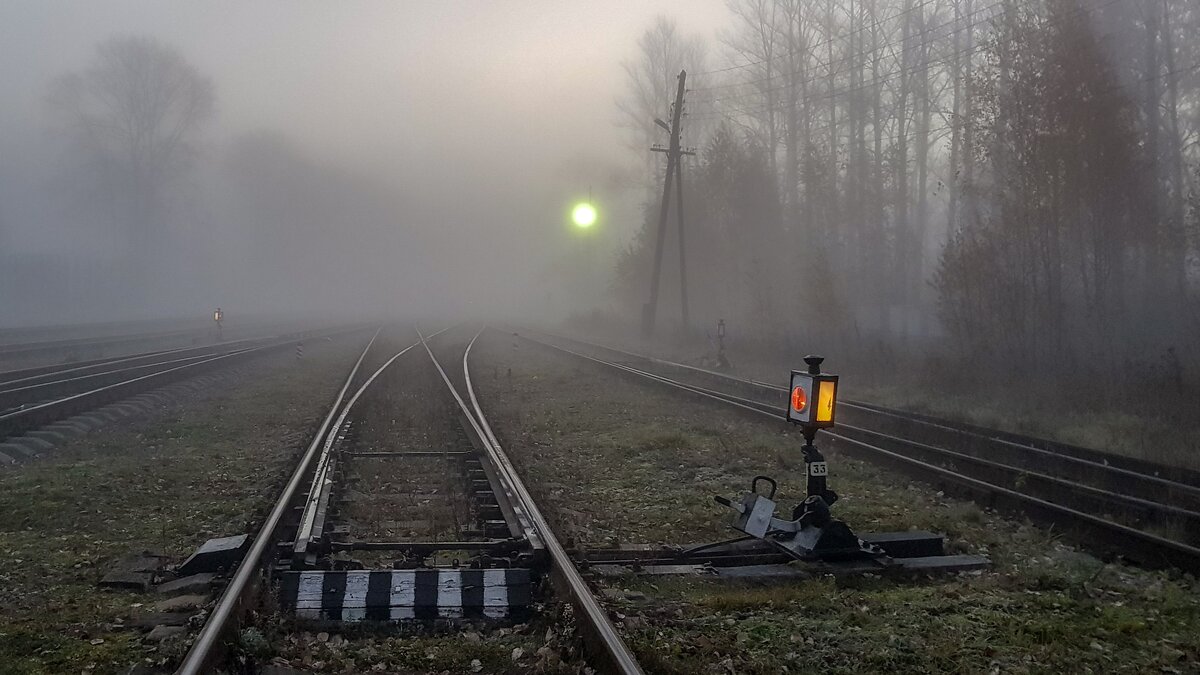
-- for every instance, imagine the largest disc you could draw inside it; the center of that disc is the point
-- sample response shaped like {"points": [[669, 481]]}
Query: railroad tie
{"points": [[399, 595]]}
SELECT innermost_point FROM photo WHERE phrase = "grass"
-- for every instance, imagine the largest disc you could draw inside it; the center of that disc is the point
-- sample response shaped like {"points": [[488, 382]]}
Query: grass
{"points": [[1135, 416], [530, 647], [1067, 619], [1161, 436], [165, 485], [612, 461]]}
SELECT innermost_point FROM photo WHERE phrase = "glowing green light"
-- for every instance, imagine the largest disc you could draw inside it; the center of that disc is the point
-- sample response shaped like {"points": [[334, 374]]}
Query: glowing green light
{"points": [[584, 215]]}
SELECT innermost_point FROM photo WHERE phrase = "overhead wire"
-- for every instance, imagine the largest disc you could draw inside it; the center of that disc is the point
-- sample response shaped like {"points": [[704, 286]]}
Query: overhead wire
{"points": [[877, 81], [813, 47], [822, 64], [891, 137], [890, 46]]}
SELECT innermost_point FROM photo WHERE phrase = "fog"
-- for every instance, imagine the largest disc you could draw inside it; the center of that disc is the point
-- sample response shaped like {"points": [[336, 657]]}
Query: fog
{"points": [[947, 182], [375, 157]]}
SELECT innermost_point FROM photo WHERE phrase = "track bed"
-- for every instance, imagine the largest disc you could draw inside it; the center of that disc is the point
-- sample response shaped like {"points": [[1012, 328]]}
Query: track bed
{"points": [[619, 462], [403, 503]]}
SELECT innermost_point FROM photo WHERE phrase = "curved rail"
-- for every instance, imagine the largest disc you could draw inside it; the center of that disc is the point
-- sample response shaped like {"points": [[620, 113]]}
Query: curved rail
{"points": [[604, 643], [602, 637], [509, 482], [309, 516], [200, 658], [1127, 541]]}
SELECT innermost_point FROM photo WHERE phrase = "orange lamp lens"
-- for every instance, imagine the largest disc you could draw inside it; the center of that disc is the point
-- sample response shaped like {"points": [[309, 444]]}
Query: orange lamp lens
{"points": [[826, 393], [799, 399]]}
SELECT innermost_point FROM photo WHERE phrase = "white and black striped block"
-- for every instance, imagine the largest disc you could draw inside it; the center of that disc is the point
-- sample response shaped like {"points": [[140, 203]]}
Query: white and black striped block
{"points": [[400, 595]]}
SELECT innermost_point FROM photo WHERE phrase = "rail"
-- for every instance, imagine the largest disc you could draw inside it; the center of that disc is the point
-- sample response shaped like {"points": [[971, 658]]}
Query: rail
{"points": [[202, 654], [1130, 542], [604, 643], [24, 419]]}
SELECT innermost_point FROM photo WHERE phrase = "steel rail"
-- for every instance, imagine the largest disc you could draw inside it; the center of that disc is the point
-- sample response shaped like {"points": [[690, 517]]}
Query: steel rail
{"points": [[32, 376], [201, 656], [24, 419], [606, 642], [37, 372], [1160, 513], [1094, 460], [507, 484], [1135, 544], [1153, 481], [308, 517], [1170, 473], [1163, 513], [19, 396], [17, 348], [27, 418]]}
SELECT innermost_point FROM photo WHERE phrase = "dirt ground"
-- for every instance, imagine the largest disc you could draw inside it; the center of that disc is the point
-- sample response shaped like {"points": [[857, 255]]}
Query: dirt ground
{"points": [[208, 466], [616, 461]]}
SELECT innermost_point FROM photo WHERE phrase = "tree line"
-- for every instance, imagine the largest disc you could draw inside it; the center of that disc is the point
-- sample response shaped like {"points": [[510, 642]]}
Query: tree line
{"points": [[153, 211], [1012, 179]]}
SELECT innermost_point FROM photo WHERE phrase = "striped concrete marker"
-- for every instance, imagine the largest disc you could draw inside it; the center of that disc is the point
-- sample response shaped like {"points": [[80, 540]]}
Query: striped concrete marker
{"points": [[399, 595]]}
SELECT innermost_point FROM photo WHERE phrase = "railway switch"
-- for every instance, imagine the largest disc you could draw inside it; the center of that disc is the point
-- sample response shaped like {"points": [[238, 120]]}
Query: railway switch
{"points": [[812, 532]]}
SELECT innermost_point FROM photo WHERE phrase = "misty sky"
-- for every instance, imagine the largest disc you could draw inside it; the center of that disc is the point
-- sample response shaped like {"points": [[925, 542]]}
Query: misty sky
{"points": [[486, 120], [504, 92]]}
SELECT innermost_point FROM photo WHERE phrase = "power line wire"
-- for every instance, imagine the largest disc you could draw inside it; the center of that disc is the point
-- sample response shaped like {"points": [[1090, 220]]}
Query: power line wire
{"points": [[884, 78], [823, 43], [891, 137], [821, 64]]}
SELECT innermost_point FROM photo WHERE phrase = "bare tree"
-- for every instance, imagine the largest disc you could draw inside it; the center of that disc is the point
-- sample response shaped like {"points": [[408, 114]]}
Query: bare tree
{"points": [[130, 120], [662, 53], [1058, 139], [756, 39]]}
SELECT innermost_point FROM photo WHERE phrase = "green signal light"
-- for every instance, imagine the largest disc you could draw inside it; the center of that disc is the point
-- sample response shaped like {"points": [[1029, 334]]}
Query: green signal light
{"points": [[584, 215]]}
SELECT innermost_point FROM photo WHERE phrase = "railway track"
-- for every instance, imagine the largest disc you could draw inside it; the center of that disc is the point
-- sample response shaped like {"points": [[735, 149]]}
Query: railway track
{"points": [[38, 374], [40, 405], [1116, 506], [95, 347], [405, 507]]}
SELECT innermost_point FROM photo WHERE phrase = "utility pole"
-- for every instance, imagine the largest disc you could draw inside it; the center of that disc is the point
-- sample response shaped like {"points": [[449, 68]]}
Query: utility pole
{"points": [[683, 299], [674, 157]]}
